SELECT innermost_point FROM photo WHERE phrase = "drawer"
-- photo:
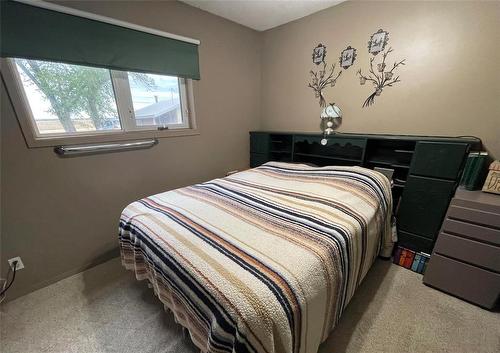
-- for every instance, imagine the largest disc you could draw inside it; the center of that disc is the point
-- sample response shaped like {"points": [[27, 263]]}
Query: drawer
{"points": [[471, 283], [473, 231], [471, 251], [438, 159], [414, 242], [474, 216], [482, 202]]}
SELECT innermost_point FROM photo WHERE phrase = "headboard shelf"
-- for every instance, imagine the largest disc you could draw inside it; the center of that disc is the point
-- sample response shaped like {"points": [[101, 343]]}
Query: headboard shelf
{"points": [[337, 158], [390, 162], [344, 149], [426, 169]]}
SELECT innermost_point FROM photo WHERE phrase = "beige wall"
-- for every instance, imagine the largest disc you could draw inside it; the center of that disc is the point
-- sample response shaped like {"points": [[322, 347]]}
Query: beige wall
{"points": [[450, 85], [61, 215]]}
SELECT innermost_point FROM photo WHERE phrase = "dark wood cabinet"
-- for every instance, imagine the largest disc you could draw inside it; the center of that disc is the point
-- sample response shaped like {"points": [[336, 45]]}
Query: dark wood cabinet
{"points": [[423, 206], [259, 149], [415, 241], [259, 143], [435, 169], [426, 170], [466, 259], [257, 159], [438, 159]]}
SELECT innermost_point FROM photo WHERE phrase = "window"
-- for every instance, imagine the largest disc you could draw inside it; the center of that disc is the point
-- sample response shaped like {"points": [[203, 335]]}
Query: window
{"points": [[157, 100], [68, 99], [65, 100]]}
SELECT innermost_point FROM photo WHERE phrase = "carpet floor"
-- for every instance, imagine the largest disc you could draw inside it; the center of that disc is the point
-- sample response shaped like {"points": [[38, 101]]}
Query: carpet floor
{"points": [[105, 310]]}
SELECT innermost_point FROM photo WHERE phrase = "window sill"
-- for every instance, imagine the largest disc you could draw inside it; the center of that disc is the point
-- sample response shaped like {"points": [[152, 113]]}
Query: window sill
{"points": [[36, 142]]}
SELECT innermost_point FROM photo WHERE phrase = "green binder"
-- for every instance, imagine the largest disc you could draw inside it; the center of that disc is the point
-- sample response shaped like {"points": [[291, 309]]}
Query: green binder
{"points": [[469, 165], [477, 172]]}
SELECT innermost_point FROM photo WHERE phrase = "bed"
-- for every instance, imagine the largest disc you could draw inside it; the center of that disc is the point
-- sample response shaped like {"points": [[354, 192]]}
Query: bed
{"points": [[264, 260]]}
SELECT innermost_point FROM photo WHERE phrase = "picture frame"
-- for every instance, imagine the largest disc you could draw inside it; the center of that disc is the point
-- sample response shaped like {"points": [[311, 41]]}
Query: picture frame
{"points": [[378, 41], [347, 57], [492, 182], [319, 54]]}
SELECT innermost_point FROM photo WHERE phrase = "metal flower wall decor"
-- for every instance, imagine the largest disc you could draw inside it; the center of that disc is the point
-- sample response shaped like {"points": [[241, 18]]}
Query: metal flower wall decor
{"points": [[323, 77], [379, 77]]}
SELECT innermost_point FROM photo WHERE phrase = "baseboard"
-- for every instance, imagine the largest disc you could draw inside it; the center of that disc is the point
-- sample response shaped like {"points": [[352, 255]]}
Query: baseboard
{"points": [[115, 252]]}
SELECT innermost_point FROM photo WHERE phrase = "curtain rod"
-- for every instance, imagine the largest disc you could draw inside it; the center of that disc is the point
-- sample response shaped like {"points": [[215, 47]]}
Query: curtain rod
{"points": [[112, 21]]}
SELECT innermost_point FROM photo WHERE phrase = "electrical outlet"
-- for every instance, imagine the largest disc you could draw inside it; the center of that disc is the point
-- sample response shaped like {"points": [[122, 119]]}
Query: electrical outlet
{"points": [[19, 265]]}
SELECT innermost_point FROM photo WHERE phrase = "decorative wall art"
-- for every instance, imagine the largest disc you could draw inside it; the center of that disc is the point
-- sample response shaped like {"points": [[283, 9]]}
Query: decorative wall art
{"points": [[324, 77], [319, 54], [379, 77], [331, 115], [378, 41], [347, 57]]}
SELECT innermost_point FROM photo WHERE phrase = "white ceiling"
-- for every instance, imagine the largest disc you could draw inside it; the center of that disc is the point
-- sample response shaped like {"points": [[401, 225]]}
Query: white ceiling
{"points": [[262, 14]]}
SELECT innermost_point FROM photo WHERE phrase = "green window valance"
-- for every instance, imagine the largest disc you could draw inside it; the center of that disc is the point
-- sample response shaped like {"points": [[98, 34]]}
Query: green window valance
{"points": [[33, 32]]}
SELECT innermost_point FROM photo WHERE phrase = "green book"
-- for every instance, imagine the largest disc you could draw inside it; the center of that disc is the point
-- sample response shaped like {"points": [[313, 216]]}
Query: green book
{"points": [[466, 170], [475, 179], [472, 161]]}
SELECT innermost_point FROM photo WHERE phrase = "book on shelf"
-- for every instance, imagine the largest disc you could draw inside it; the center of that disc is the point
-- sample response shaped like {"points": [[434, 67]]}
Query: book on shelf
{"points": [[397, 255], [409, 259], [424, 259], [420, 266], [467, 167], [402, 257], [473, 172], [477, 172], [416, 262]]}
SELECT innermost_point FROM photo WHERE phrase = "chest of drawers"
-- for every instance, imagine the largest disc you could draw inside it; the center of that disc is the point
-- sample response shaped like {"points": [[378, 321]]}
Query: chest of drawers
{"points": [[466, 258]]}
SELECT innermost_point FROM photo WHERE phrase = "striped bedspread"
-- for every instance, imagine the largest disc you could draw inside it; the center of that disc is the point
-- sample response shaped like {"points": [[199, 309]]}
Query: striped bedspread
{"points": [[264, 260]]}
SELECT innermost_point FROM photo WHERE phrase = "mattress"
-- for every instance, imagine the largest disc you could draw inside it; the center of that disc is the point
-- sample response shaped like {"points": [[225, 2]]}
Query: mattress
{"points": [[265, 260]]}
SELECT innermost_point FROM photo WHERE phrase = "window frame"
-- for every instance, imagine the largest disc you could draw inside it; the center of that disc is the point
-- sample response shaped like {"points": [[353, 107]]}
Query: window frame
{"points": [[125, 104], [128, 129]]}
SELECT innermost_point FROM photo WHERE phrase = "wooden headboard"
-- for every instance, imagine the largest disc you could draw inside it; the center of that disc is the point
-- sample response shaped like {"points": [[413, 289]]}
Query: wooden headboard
{"points": [[427, 170]]}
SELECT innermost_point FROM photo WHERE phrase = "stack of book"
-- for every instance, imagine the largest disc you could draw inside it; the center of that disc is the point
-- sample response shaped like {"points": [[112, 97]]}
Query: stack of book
{"points": [[415, 261], [474, 170]]}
